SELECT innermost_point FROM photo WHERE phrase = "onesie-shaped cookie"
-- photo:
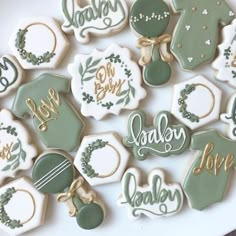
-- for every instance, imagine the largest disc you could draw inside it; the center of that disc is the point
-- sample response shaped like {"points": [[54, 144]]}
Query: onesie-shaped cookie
{"points": [[196, 34], [150, 20]]}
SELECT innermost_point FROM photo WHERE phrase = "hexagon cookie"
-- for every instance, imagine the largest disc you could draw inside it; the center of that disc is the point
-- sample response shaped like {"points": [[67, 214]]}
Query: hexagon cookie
{"points": [[22, 207], [38, 43], [101, 158], [196, 102]]}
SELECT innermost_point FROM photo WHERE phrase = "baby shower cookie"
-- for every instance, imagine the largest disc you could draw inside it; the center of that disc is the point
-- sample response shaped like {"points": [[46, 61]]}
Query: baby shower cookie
{"points": [[55, 120], [101, 158], [162, 139], [16, 151], [106, 82], [208, 176], [22, 207], [225, 63], [156, 199], [149, 22], [196, 102], [11, 74], [53, 172], [38, 43], [195, 36], [99, 18]]}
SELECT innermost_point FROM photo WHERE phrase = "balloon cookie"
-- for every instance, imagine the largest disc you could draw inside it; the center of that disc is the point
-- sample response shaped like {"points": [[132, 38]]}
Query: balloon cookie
{"points": [[208, 176], [106, 82], [156, 199], [100, 18], [149, 22], [195, 36], [162, 139], [39, 43], [56, 122], [53, 172]]}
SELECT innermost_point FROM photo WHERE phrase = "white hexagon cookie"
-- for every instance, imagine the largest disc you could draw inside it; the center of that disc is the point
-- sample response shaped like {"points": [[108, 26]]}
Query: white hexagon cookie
{"points": [[196, 102], [101, 158], [38, 43], [22, 207]]}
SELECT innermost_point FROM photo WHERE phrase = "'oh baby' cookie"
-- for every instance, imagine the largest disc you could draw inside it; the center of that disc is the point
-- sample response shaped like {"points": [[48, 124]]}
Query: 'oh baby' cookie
{"points": [[38, 43], [16, 152], [195, 37], [225, 63], [156, 199], [56, 122], [208, 175], [100, 18], [106, 82]]}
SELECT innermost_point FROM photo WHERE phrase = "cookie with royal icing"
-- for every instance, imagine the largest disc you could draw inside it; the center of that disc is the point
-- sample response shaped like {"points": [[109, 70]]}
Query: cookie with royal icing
{"points": [[16, 151], [56, 122], [156, 199], [11, 74], [22, 207], [39, 43], [199, 20], [225, 63], [106, 82], [99, 18], [101, 158], [196, 102], [162, 138], [209, 173]]}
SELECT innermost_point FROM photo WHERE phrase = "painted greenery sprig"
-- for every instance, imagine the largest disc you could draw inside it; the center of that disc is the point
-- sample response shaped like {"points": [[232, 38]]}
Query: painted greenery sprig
{"points": [[126, 94]]}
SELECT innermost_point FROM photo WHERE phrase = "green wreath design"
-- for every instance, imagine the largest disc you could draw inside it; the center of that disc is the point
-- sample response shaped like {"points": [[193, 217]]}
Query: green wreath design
{"points": [[4, 218]]}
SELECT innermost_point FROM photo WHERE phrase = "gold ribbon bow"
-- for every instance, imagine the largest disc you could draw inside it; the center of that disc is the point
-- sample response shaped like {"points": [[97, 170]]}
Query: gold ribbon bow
{"points": [[147, 45]]}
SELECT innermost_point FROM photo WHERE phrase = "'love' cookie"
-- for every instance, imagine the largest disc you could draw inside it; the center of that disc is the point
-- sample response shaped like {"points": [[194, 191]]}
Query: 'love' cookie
{"points": [[208, 176], [56, 122], [106, 82], [162, 139], [96, 18], [156, 199], [195, 36]]}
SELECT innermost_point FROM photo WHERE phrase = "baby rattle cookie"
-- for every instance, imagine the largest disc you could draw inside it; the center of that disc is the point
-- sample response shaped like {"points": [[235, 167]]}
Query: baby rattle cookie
{"points": [[162, 139], [195, 36], [106, 82], [208, 176], [156, 199], [16, 151], [150, 21], [56, 122], [11, 74], [22, 207], [99, 18], [39, 43], [53, 172], [225, 63]]}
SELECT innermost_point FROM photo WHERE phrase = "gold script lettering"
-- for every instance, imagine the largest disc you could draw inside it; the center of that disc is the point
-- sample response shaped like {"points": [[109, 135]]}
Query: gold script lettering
{"points": [[5, 152]]}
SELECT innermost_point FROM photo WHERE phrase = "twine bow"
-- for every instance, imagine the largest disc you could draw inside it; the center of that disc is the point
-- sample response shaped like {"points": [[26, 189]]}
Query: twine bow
{"points": [[147, 45]]}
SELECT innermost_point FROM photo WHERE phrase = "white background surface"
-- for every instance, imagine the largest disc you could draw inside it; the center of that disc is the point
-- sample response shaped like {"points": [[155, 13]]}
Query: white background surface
{"points": [[214, 221]]}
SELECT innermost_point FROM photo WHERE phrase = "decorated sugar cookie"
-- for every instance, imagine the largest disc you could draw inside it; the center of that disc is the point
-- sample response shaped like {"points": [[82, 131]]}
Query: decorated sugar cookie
{"points": [[225, 63], [208, 176], [195, 36], [53, 172], [162, 139], [11, 74], [22, 207], [106, 82], [16, 151], [196, 102], [100, 18], [150, 22], [156, 199], [38, 43], [101, 158], [55, 121]]}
